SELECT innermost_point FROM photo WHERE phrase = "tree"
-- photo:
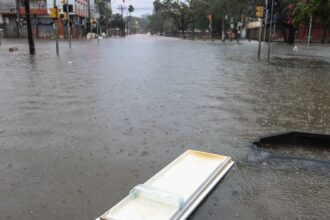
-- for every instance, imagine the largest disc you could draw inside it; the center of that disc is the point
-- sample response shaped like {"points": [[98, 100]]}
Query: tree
{"points": [[128, 18], [193, 14], [319, 9], [105, 14], [179, 12], [117, 21], [130, 9], [284, 19], [138, 25]]}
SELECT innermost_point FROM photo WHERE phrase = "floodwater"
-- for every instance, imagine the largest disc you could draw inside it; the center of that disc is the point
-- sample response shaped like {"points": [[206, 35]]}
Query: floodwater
{"points": [[79, 130]]}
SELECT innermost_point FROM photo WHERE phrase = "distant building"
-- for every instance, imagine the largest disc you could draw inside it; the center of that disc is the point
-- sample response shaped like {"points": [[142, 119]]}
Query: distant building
{"points": [[12, 13], [285, 30], [78, 17], [8, 17], [12, 18]]}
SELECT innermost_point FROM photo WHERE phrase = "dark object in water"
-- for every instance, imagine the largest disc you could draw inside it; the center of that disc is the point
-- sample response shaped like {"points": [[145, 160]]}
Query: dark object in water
{"points": [[12, 49], [295, 138], [296, 145]]}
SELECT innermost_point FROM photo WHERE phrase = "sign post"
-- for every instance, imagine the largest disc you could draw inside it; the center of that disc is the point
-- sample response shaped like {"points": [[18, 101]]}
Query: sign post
{"points": [[54, 13], [310, 30], [69, 25], [29, 28], [210, 25], [270, 30], [259, 14]]}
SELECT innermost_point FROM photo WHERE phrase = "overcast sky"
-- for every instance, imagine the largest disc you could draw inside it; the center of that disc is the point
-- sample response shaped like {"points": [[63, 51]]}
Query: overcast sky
{"points": [[141, 6]]}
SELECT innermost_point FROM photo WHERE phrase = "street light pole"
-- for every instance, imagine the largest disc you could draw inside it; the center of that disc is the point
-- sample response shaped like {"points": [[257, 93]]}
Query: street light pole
{"points": [[210, 26], [260, 34], [310, 30], [29, 28], [266, 18], [89, 15], [270, 30], [56, 27], [69, 26], [223, 29], [17, 18], [98, 30]]}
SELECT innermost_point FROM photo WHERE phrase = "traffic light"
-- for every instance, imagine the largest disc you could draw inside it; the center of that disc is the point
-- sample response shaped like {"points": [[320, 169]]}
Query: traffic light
{"points": [[259, 11], [65, 7], [54, 12]]}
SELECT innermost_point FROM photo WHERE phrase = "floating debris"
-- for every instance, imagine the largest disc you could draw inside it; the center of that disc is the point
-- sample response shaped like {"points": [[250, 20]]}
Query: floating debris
{"points": [[12, 49], [175, 191]]}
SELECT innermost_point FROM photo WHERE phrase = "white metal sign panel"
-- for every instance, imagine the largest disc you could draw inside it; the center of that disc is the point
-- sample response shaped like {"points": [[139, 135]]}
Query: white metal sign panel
{"points": [[175, 191]]}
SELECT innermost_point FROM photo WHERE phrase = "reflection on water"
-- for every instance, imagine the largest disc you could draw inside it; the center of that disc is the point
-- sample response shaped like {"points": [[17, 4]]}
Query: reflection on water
{"points": [[78, 130]]}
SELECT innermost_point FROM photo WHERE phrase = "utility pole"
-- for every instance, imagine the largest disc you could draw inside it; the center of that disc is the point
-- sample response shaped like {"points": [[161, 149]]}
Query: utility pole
{"points": [[274, 30], [270, 29], [69, 26], [260, 14], [17, 17], [89, 15], [122, 17], [260, 34], [266, 19], [29, 28], [310, 30], [210, 26], [56, 27], [223, 28], [98, 30]]}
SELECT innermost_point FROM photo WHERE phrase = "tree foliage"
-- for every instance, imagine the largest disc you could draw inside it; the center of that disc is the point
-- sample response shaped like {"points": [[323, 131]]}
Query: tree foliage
{"points": [[105, 13], [193, 14], [117, 21], [318, 9], [130, 9]]}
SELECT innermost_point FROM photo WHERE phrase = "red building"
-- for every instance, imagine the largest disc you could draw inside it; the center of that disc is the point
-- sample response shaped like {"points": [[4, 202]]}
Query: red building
{"points": [[318, 32], [78, 19], [13, 17]]}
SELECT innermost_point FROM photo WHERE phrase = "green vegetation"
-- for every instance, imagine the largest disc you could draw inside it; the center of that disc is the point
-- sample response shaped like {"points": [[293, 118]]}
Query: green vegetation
{"points": [[319, 9], [105, 14], [171, 16], [108, 20], [138, 25]]}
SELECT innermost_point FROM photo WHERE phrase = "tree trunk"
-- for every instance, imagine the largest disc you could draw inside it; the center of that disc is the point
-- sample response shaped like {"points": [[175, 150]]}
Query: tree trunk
{"points": [[291, 35], [324, 35], [285, 37]]}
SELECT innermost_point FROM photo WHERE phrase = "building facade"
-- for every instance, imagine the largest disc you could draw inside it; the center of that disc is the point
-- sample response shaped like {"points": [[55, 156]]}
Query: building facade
{"points": [[78, 18], [12, 13], [12, 18]]}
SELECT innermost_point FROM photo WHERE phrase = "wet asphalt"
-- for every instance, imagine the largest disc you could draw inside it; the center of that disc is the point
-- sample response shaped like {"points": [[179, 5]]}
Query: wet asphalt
{"points": [[79, 130]]}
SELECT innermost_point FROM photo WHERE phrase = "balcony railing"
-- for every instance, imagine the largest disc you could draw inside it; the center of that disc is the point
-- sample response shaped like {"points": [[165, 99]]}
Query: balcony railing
{"points": [[37, 7]]}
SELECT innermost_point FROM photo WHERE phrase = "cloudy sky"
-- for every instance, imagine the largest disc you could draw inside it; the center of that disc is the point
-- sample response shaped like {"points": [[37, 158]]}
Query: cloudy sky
{"points": [[141, 6]]}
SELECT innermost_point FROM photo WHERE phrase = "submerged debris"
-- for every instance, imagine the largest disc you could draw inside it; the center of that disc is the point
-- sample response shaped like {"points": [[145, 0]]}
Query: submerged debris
{"points": [[12, 49]]}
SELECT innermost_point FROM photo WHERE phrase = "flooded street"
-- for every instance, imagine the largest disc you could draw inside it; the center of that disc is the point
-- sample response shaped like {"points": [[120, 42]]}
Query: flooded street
{"points": [[79, 130]]}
